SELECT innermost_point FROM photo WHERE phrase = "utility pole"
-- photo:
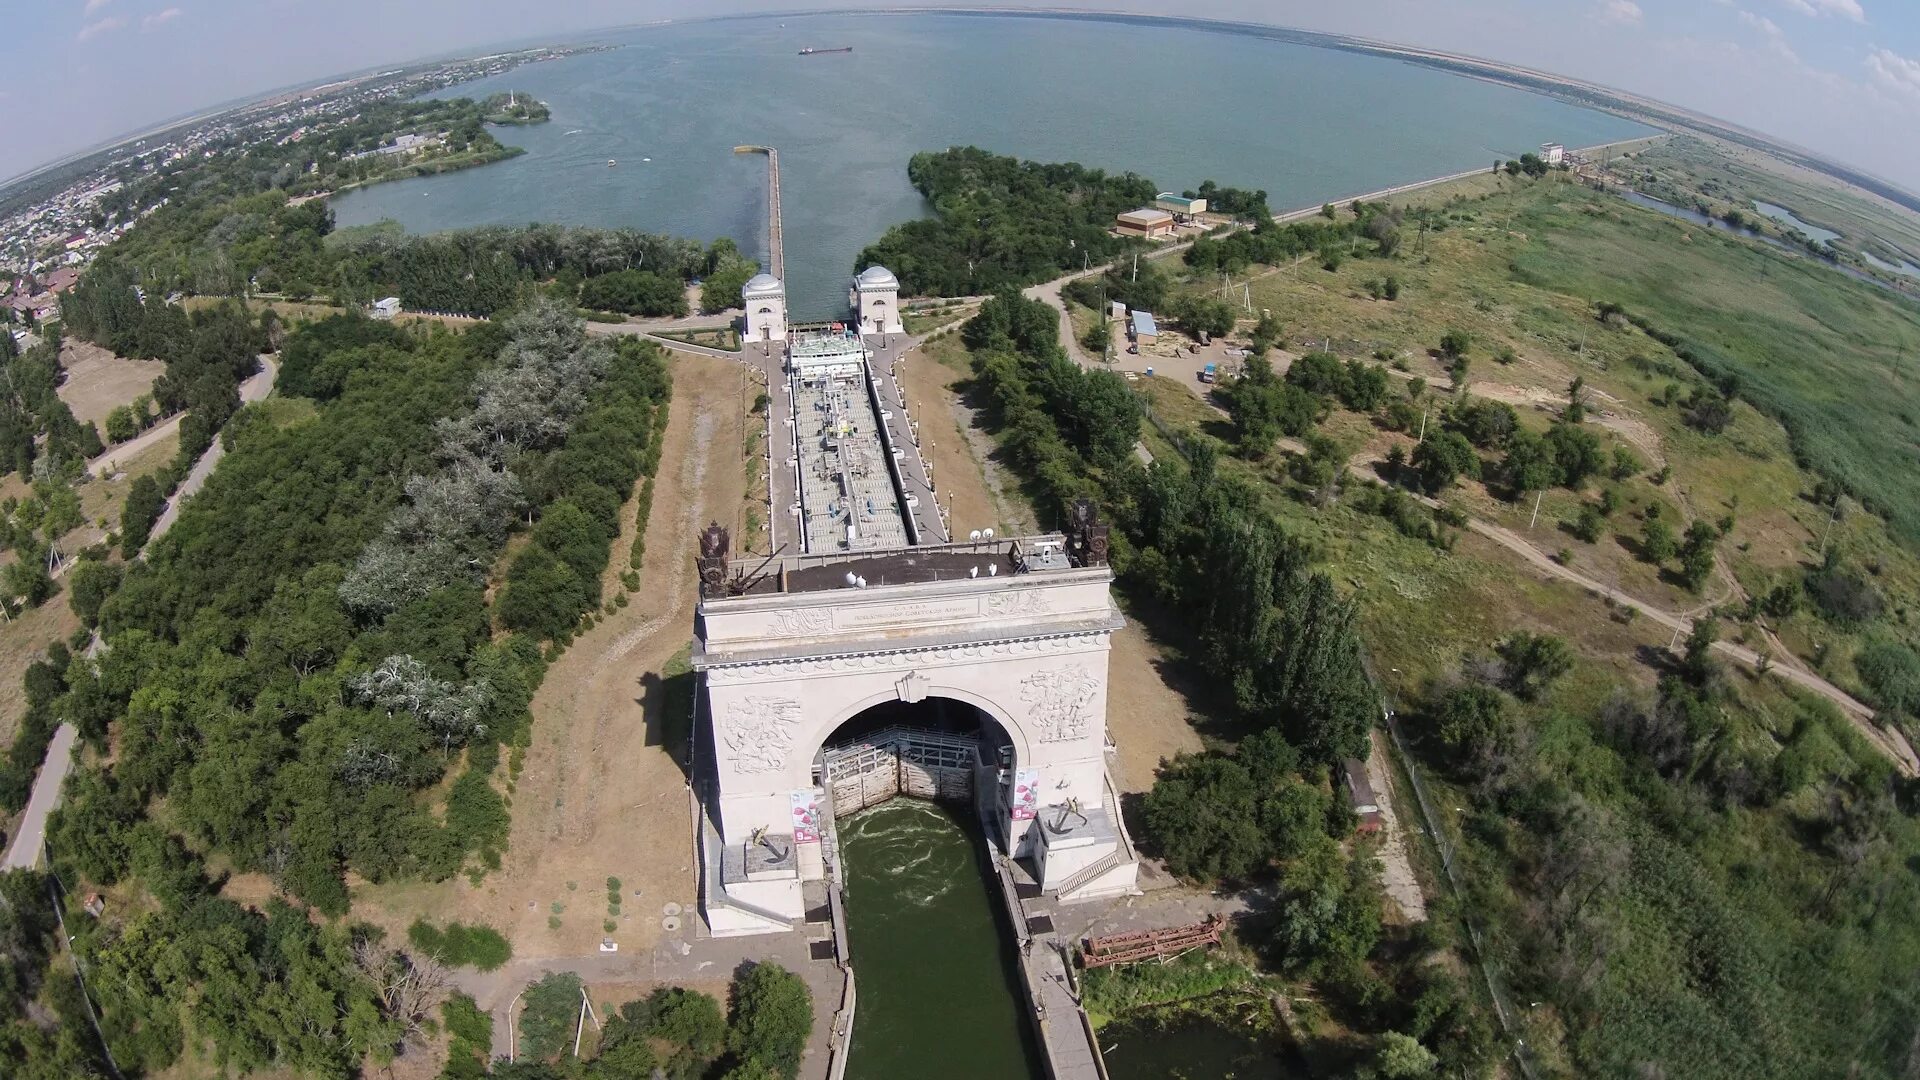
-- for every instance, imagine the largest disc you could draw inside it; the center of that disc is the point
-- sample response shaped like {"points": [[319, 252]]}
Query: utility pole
{"points": [[1423, 424], [1536, 510]]}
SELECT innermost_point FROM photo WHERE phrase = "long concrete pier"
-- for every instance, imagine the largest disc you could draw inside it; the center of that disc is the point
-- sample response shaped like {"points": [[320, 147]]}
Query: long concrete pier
{"points": [[776, 248]]}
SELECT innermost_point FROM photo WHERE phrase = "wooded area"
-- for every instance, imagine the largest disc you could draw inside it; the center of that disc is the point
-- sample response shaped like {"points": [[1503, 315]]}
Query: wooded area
{"points": [[282, 689]]}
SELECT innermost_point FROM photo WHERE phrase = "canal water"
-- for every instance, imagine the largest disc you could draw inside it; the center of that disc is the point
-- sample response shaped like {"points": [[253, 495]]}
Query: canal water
{"points": [[1174, 104], [939, 995]]}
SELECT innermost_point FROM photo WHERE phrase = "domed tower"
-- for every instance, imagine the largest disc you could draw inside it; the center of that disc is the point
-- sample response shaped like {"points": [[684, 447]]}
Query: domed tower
{"points": [[876, 299], [765, 299]]}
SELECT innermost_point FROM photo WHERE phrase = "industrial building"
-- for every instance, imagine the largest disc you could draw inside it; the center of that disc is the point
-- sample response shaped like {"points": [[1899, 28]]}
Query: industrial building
{"points": [[1145, 222]]}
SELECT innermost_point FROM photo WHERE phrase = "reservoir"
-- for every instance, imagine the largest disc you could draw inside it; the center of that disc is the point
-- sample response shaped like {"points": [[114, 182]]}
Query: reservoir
{"points": [[1175, 104], [939, 996]]}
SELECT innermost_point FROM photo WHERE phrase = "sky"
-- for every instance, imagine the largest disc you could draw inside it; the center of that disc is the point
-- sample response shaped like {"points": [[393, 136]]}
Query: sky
{"points": [[1841, 77]]}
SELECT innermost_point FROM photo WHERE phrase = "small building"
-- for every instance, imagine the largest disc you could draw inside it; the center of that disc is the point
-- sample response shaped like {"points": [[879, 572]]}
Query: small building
{"points": [[1179, 205], [1116, 310], [1553, 153], [1366, 806], [1144, 330], [765, 298], [386, 309], [1146, 222], [875, 298]]}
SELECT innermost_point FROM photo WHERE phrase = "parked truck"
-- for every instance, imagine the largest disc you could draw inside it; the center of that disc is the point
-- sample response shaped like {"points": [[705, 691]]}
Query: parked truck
{"points": [[1208, 374]]}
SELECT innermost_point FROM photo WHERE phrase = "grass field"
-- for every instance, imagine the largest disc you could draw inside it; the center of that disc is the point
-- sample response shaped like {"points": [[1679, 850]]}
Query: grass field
{"points": [[1732, 940]]}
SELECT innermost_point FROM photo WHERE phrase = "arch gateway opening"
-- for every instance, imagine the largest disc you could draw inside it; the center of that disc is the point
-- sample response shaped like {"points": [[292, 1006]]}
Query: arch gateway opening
{"points": [[971, 674]]}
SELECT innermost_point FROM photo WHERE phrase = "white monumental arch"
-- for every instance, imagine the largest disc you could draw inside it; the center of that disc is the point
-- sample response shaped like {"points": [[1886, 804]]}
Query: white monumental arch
{"points": [[972, 672], [875, 297], [765, 299]]}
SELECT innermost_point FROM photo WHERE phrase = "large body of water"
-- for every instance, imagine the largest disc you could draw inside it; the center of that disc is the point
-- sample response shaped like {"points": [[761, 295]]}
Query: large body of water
{"points": [[1176, 105], [939, 991]]}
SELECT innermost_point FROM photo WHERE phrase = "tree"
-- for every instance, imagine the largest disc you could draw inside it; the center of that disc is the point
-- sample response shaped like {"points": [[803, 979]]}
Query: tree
{"points": [[121, 425], [1589, 525], [1697, 554], [770, 1020], [1534, 662], [548, 1014], [1472, 720], [1657, 542], [1455, 343], [1530, 464], [145, 503], [1401, 1057], [1444, 458], [1697, 662], [1203, 816], [88, 587]]}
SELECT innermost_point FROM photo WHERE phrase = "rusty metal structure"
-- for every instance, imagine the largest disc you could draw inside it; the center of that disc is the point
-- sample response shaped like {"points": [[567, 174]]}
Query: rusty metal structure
{"points": [[1131, 948]]}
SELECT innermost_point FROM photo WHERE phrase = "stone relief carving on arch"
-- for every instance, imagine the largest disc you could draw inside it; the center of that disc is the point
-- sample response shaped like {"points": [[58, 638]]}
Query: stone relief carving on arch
{"points": [[1060, 702], [759, 730]]}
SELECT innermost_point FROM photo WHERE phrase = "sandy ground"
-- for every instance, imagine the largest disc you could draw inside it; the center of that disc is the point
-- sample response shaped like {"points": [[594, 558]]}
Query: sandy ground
{"points": [[599, 795], [1148, 718], [980, 494], [98, 381]]}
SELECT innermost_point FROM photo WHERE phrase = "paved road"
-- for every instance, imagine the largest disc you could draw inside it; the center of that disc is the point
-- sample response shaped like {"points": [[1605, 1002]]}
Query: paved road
{"points": [[256, 388], [109, 461], [691, 957], [30, 839]]}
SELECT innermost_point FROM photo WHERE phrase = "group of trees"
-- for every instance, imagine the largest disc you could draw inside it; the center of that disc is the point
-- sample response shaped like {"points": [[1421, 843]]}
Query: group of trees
{"points": [[293, 734], [1003, 223], [1618, 831], [1269, 243], [672, 1034]]}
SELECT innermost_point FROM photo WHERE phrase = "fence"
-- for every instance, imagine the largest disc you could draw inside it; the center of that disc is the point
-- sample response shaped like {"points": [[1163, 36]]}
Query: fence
{"points": [[1489, 973]]}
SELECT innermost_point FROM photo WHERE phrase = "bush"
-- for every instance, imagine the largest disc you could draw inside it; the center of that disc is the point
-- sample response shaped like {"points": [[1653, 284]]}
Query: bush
{"points": [[459, 945]]}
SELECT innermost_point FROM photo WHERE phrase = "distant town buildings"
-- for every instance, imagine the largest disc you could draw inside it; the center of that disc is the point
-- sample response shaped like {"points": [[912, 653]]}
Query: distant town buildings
{"points": [[65, 222]]}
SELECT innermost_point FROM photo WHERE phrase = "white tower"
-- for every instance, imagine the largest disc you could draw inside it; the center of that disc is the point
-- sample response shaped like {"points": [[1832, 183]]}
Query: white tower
{"points": [[876, 298], [765, 299]]}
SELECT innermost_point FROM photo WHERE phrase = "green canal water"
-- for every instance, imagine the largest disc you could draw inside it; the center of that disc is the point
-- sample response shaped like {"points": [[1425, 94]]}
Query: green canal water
{"points": [[938, 989], [1190, 1048]]}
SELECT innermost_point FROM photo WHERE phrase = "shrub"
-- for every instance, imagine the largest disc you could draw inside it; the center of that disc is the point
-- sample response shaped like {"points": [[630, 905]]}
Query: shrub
{"points": [[460, 945]]}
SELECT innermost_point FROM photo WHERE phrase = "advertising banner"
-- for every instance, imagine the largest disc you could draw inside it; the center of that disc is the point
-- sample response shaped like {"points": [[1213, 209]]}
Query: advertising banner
{"points": [[1026, 794], [806, 816]]}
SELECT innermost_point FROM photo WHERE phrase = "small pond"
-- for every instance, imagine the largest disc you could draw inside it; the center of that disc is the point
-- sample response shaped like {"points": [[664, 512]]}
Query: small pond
{"points": [[1902, 267], [1788, 218]]}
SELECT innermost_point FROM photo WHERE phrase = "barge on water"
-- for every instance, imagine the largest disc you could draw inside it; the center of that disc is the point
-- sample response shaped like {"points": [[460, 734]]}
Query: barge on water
{"points": [[823, 52]]}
